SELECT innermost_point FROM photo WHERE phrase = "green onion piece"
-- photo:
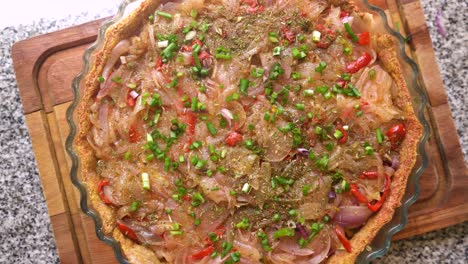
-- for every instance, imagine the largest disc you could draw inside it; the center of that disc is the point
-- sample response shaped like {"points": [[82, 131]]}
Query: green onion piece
{"points": [[308, 92], [351, 33], [246, 188], [223, 53], [151, 18], [338, 134], [244, 224], [283, 232], [145, 181], [211, 128], [298, 54], [316, 36], [292, 212], [276, 217], [346, 77], [257, 72], [300, 106], [380, 136], [197, 222], [306, 189], [277, 51], [193, 13], [117, 79], [322, 65], [168, 211], [197, 199], [235, 256], [127, 155], [243, 86], [134, 206], [368, 149], [273, 37], [164, 14], [101, 79], [322, 163], [296, 75], [347, 50]]}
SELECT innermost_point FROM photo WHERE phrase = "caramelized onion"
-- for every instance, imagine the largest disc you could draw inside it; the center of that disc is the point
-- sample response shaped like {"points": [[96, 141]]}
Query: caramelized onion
{"points": [[352, 216]]}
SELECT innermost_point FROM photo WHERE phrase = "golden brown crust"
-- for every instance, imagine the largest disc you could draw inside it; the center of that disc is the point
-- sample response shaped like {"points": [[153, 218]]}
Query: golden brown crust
{"points": [[138, 254], [386, 51]]}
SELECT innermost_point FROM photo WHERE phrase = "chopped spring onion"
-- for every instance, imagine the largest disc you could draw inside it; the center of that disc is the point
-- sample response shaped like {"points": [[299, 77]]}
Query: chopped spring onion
{"points": [[283, 232], [164, 14], [134, 206], [211, 128], [338, 134], [277, 51], [316, 36], [145, 181], [300, 107], [322, 65], [351, 33], [163, 44], [243, 86], [244, 224], [380, 136], [246, 188], [372, 74], [257, 72]]}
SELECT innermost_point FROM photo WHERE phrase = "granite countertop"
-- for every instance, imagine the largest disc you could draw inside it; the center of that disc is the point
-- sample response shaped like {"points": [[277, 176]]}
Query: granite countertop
{"points": [[25, 232]]}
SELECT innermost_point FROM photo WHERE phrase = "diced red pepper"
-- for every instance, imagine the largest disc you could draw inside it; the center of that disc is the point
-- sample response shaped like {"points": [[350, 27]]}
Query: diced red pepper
{"points": [[197, 41], [130, 100], [343, 14], [191, 120], [288, 34], [341, 236], [159, 64], [376, 206], [396, 134], [364, 38], [133, 135], [127, 231], [101, 185], [186, 48], [186, 198], [358, 64], [326, 38], [203, 253], [233, 138], [369, 175], [357, 194], [204, 55], [342, 83]]}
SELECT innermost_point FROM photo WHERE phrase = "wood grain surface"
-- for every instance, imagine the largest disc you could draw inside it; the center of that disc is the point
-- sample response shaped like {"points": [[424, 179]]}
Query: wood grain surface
{"points": [[46, 65]]}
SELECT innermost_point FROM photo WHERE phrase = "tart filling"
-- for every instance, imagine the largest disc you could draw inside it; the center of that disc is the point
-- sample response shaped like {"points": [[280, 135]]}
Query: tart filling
{"points": [[247, 131]]}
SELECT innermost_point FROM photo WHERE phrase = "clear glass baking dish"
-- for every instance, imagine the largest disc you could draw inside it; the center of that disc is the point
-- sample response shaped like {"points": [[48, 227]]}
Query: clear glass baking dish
{"points": [[381, 243]]}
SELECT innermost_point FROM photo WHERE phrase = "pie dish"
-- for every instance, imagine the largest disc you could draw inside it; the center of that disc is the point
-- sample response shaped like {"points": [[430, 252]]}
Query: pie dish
{"points": [[291, 143]]}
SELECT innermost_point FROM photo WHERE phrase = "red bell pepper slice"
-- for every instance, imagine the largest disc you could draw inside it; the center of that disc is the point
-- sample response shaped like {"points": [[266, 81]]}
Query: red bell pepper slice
{"points": [[396, 134], [343, 14], [369, 175], [376, 206], [127, 231], [101, 185], [360, 63], [130, 100], [233, 138], [364, 38], [341, 236], [357, 194], [203, 253]]}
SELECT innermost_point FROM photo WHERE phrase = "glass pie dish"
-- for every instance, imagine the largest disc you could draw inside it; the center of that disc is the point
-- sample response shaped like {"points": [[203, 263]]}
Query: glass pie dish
{"points": [[381, 243]]}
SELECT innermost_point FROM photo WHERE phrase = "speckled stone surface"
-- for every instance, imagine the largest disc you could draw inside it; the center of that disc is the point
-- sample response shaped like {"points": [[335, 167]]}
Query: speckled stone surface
{"points": [[25, 233]]}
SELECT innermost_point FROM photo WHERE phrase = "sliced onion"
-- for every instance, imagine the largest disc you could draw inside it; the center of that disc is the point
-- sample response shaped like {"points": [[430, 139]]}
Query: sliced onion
{"points": [[303, 151], [133, 94], [227, 114], [388, 170], [352, 216], [291, 246], [163, 44], [190, 35], [151, 37], [321, 246], [395, 162], [119, 49]]}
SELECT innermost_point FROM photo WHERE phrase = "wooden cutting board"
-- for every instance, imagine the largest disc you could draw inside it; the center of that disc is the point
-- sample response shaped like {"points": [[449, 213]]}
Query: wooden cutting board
{"points": [[45, 66]]}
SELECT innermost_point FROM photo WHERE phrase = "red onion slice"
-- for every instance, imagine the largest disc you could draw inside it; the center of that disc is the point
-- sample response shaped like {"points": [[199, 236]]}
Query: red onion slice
{"points": [[352, 216]]}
